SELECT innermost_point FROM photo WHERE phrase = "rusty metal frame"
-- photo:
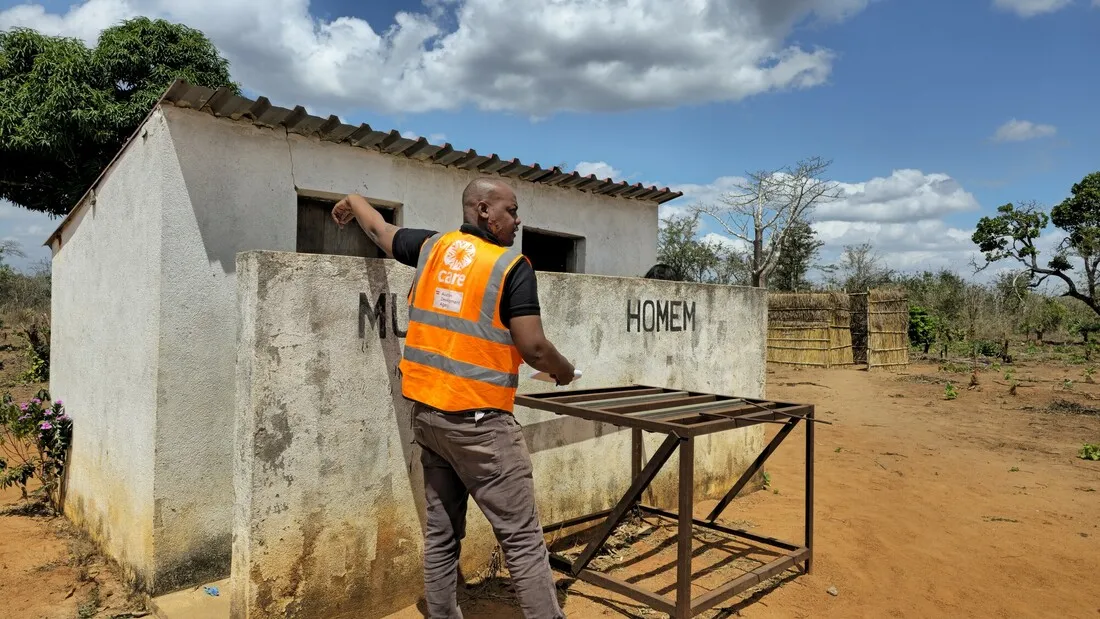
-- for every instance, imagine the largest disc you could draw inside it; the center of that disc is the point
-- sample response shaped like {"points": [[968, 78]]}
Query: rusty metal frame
{"points": [[681, 416]]}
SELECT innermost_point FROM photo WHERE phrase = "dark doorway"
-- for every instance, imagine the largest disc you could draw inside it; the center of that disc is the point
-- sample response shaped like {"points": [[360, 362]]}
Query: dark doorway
{"points": [[557, 253], [318, 234]]}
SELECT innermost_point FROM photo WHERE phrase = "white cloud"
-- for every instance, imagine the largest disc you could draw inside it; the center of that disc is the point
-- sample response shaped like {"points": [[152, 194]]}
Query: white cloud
{"points": [[433, 138], [1021, 130], [905, 195], [528, 56], [1031, 8], [599, 168]]}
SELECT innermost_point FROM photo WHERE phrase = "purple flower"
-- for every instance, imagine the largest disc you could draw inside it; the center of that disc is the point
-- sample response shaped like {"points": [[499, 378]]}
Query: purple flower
{"points": [[47, 413], [62, 417], [23, 407], [36, 401], [45, 425], [24, 417], [59, 403]]}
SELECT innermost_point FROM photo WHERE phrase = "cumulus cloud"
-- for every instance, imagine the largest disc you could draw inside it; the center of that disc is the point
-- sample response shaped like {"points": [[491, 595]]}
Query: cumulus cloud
{"points": [[1022, 130], [901, 215], [526, 56], [599, 168], [1031, 8], [905, 195]]}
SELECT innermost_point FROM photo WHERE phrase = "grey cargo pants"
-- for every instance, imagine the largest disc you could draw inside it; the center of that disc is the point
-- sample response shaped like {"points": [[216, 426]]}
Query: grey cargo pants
{"points": [[486, 459]]}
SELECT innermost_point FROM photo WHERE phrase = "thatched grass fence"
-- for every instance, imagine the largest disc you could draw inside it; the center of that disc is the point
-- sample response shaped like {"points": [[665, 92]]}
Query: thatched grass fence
{"points": [[812, 329], [887, 329], [836, 329]]}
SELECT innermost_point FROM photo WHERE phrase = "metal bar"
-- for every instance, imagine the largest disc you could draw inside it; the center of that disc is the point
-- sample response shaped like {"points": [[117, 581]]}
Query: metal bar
{"points": [[684, 530], [725, 408], [572, 522], [809, 490], [583, 412], [612, 404], [749, 580], [635, 452], [761, 539], [683, 409], [630, 590], [629, 499], [659, 405], [578, 395], [752, 470], [719, 425]]}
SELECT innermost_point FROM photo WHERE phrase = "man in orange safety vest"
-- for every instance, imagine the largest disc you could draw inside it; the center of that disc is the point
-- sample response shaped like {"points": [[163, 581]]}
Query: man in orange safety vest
{"points": [[474, 316]]}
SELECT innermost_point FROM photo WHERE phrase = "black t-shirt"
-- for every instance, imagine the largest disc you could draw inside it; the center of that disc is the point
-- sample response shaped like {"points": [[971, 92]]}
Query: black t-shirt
{"points": [[521, 294]]}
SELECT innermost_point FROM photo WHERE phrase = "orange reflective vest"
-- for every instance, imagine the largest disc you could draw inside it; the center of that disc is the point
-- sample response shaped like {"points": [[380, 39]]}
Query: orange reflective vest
{"points": [[458, 354]]}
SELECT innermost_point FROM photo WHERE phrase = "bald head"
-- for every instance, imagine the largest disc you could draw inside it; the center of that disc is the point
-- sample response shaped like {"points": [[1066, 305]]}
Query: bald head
{"points": [[490, 204], [482, 189]]}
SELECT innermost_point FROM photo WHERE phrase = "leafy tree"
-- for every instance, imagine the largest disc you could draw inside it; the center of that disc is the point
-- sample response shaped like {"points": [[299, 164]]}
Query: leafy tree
{"points": [[796, 258], [922, 327], [762, 210], [1013, 232], [695, 260], [66, 110]]}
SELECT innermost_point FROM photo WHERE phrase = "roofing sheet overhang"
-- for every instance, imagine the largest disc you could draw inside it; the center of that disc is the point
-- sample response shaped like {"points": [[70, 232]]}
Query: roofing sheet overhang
{"points": [[223, 103]]}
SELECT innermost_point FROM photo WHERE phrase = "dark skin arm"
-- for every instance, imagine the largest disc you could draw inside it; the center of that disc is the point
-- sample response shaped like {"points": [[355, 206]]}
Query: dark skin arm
{"points": [[378, 231], [537, 351]]}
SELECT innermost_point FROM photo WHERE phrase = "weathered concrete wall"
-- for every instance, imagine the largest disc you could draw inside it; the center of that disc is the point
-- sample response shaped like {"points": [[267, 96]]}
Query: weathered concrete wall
{"points": [[328, 485], [105, 307], [145, 282]]}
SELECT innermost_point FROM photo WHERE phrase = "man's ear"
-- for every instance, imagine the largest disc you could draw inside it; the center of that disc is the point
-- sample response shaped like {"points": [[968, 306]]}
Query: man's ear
{"points": [[483, 209]]}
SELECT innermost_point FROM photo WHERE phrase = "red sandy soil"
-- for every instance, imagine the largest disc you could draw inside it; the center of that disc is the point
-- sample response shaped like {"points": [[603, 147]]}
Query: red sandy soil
{"points": [[925, 507]]}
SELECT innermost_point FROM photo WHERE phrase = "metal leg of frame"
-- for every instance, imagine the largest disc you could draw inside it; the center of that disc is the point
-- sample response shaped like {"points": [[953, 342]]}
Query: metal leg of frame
{"points": [[810, 489], [635, 452], [684, 531]]}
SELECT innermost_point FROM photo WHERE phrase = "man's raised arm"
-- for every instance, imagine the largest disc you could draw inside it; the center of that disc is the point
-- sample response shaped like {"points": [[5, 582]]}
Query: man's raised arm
{"points": [[537, 351], [356, 207]]}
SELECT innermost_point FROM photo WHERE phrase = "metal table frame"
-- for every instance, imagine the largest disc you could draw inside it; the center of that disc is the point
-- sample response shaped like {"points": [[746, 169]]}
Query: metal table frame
{"points": [[681, 416]]}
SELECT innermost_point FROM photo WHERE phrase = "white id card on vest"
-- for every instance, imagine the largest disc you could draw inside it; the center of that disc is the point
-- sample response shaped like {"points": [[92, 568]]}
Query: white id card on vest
{"points": [[447, 300]]}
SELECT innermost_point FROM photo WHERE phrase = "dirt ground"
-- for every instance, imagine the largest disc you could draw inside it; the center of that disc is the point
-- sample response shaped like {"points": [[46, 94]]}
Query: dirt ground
{"points": [[924, 507]]}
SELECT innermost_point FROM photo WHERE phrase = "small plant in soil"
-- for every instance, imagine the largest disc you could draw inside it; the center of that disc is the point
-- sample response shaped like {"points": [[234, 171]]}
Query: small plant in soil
{"points": [[1091, 451], [949, 392]]}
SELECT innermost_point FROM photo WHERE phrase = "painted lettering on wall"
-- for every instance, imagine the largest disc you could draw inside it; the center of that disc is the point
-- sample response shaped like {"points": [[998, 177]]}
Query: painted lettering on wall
{"points": [[376, 315], [649, 316]]}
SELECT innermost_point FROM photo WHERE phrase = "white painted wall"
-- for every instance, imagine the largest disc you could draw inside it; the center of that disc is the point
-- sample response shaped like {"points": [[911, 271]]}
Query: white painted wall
{"points": [[209, 188], [104, 340], [328, 483]]}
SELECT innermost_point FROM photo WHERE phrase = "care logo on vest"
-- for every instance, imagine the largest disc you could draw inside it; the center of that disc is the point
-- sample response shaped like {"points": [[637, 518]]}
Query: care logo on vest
{"points": [[458, 257]]}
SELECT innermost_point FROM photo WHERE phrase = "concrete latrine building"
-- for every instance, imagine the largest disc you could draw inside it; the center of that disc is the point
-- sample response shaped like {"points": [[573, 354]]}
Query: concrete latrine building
{"points": [[146, 313]]}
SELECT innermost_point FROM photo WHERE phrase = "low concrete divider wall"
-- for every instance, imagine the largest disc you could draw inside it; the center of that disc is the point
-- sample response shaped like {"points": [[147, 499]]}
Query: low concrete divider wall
{"points": [[329, 500]]}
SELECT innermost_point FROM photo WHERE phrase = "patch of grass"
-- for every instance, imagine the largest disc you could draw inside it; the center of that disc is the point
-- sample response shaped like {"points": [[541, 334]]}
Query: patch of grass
{"points": [[837, 450], [767, 479], [1014, 469], [949, 392], [1091, 451], [89, 607]]}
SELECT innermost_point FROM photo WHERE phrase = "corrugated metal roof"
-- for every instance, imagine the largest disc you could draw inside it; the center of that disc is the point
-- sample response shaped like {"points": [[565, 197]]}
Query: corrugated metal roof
{"points": [[223, 103]]}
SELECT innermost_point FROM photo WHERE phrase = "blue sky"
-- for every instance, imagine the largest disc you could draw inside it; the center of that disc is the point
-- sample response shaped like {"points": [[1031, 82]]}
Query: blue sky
{"points": [[933, 113]]}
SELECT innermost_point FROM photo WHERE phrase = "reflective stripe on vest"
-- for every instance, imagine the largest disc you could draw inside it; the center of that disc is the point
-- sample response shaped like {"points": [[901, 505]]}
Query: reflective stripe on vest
{"points": [[460, 368], [451, 350]]}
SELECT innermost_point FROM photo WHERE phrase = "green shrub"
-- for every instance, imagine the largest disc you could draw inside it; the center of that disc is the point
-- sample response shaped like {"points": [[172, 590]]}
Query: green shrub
{"points": [[34, 442]]}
